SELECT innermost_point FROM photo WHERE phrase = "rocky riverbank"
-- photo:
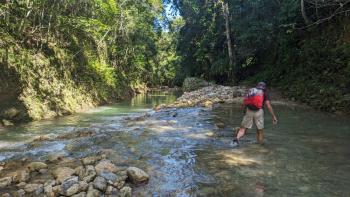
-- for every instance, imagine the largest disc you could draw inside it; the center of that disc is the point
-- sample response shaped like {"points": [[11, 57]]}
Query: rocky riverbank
{"points": [[208, 97], [59, 176]]}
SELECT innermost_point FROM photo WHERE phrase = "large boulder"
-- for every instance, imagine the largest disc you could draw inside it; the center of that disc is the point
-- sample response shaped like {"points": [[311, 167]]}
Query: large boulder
{"points": [[62, 173], [137, 175]]}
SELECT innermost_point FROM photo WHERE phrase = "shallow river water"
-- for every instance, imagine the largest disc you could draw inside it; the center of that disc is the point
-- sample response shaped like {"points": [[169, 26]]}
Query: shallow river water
{"points": [[186, 154]]}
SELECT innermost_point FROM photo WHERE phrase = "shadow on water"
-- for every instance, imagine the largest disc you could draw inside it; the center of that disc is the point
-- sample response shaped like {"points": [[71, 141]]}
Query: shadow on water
{"points": [[306, 154]]}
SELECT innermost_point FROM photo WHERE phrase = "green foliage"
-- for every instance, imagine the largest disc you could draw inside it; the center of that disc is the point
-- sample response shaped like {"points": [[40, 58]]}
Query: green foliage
{"points": [[272, 42], [71, 54]]}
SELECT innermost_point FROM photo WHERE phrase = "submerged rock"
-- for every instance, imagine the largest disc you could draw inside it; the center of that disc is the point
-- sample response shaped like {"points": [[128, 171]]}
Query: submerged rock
{"points": [[137, 175]]}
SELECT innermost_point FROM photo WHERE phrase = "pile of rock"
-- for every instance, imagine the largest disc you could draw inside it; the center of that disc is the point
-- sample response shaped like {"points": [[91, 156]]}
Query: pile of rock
{"points": [[208, 96], [96, 176], [193, 83]]}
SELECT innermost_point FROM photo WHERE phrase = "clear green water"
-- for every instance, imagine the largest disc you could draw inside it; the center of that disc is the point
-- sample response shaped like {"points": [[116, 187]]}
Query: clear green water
{"points": [[306, 154]]}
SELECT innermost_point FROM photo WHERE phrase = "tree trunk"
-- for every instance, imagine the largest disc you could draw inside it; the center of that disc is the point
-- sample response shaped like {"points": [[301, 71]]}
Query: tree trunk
{"points": [[230, 44], [303, 12]]}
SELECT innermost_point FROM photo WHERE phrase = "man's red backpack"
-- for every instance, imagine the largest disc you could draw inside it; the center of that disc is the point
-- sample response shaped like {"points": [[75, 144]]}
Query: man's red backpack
{"points": [[254, 99]]}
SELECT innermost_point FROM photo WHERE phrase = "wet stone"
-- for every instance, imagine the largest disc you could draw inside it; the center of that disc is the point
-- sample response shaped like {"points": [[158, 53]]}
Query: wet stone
{"points": [[137, 175]]}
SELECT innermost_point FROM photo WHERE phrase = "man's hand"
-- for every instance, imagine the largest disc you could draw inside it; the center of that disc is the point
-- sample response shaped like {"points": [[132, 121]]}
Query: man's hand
{"points": [[274, 120], [269, 107]]}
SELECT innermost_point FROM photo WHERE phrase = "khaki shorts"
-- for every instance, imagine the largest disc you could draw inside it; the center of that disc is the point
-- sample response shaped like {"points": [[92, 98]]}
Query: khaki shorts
{"points": [[256, 116]]}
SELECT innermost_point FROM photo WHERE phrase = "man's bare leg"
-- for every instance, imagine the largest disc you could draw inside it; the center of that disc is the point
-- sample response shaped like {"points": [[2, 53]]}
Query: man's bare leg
{"points": [[260, 136], [240, 133]]}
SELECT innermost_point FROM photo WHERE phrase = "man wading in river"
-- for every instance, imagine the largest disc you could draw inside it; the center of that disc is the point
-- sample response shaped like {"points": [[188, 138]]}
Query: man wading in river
{"points": [[254, 102]]}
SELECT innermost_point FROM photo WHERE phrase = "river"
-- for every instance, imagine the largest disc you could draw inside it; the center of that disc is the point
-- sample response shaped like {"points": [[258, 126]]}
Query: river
{"points": [[186, 154]]}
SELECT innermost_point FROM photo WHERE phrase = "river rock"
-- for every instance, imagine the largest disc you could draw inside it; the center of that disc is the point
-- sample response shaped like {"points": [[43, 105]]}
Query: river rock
{"points": [[56, 189], [34, 188], [5, 182], [21, 176], [90, 160], [81, 194], [105, 165], [48, 188], [21, 185], [137, 175], [36, 166], [88, 174], [70, 186], [111, 191], [125, 192], [110, 177], [55, 157], [48, 191], [93, 192], [6, 195], [7, 123], [83, 185], [62, 173], [100, 183], [20, 193]]}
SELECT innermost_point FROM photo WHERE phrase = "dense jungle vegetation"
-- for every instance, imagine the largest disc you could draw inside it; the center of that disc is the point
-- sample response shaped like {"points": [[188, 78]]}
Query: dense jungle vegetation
{"points": [[301, 46], [59, 56]]}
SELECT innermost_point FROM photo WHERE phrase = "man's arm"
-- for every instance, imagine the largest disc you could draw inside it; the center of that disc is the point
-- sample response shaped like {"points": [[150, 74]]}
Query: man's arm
{"points": [[269, 107]]}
